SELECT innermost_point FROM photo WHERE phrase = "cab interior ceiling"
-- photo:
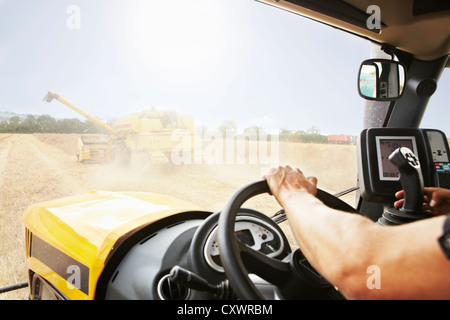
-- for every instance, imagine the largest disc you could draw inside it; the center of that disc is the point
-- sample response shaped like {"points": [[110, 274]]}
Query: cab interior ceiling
{"points": [[405, 24]]}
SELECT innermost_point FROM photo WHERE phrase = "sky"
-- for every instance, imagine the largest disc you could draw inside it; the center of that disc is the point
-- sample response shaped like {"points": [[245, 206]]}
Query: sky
{"points": [[216, 60]]}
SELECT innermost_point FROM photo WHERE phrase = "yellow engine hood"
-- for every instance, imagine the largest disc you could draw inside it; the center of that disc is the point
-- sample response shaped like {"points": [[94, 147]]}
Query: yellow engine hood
{"points": [[83, 229]]}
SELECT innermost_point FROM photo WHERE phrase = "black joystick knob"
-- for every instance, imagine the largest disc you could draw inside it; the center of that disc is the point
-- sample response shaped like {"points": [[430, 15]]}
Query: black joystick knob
{"points": [[411, 180]]}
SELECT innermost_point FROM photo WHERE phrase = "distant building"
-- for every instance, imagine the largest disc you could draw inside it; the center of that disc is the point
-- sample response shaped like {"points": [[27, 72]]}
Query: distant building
{"points": [[340, 139]]}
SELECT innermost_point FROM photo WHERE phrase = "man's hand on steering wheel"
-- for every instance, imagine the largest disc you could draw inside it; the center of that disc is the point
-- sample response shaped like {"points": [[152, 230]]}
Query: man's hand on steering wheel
{"points": [[293, 277], [285, 182]]}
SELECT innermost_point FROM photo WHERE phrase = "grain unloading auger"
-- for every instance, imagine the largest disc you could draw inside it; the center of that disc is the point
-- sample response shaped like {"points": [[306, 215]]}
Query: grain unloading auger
{"points": [[92, 147], [156, 132]]}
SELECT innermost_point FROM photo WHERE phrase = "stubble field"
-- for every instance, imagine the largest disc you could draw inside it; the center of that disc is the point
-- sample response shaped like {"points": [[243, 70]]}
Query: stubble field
{"points": [[40, 167]]}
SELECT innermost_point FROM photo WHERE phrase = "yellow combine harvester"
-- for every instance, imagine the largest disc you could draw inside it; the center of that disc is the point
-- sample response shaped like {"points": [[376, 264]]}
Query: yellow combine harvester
{"points": [[152, 131]]}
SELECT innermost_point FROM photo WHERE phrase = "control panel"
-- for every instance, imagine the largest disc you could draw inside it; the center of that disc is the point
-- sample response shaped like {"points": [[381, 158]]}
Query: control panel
{"points": [[379, 177]]}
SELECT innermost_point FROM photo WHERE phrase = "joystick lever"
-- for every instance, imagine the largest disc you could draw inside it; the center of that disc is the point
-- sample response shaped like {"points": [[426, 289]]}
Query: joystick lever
{"points": [[411, 180]]}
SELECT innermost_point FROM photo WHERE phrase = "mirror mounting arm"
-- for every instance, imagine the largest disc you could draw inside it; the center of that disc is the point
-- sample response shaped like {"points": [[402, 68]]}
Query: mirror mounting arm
{"points": [[389, 49]]}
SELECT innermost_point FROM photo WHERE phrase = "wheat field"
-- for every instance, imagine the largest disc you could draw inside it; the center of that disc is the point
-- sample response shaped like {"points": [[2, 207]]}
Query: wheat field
{"points": [[40, 167]]}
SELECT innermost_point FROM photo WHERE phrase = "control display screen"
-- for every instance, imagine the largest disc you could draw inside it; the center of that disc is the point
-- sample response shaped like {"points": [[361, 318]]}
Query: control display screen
{"points": [[385, 147]]}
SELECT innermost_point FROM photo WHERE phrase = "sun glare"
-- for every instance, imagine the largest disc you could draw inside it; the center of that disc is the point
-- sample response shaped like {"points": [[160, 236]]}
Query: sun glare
{"points": [[177, 38]]}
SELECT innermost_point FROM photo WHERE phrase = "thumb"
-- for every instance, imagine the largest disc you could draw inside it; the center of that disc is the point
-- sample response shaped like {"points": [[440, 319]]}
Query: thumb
{"points": [[435, 195], [312, 180], [313, 183], [434, 200]]}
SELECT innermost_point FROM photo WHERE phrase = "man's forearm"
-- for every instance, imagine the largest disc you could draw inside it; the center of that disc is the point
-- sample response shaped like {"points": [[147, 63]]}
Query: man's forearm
{"points": [[334, 242], [341, 246]]}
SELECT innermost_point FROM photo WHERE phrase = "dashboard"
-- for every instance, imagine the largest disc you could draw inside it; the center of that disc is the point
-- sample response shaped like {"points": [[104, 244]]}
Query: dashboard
{"points": [[190, 241]]}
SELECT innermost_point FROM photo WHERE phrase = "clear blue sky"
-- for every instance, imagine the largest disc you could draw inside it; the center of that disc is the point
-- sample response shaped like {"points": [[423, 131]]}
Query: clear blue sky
{"points": [[215, 59]]}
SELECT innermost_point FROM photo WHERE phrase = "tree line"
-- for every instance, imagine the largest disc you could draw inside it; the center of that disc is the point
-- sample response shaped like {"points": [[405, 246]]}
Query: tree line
{"points": [[311, 135], [47, 124]]}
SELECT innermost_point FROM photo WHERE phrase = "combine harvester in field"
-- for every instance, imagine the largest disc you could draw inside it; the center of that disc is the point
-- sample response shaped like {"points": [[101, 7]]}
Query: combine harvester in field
{"points": [[150, 131]]}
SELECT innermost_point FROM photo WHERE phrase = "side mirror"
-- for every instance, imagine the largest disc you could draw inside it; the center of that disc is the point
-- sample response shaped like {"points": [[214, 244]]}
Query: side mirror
{"points": [[381, 79]]}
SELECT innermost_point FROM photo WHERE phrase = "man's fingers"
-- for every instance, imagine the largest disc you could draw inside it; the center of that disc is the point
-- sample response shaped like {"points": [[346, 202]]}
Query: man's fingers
{"points": [[400, 194], [398, 204]]}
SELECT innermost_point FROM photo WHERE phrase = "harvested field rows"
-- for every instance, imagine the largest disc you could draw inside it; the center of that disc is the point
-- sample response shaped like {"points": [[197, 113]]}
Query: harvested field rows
{"points": [[40, 167]]}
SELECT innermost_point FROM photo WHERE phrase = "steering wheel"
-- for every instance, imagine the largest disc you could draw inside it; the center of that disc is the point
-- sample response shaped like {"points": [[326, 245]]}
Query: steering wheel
{"points": [[294, 277]]}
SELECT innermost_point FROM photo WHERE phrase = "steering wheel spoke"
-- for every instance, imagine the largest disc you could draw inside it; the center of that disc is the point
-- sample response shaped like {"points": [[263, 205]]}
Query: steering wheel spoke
{"points": [[272, 270]]}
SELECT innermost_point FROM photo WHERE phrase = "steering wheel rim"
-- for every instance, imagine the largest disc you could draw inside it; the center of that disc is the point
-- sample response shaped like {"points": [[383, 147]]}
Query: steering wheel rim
{"points": [[230, 248]]}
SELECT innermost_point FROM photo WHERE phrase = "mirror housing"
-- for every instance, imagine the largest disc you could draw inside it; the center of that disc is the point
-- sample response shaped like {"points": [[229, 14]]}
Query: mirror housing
{"points": [[381, 79]]}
